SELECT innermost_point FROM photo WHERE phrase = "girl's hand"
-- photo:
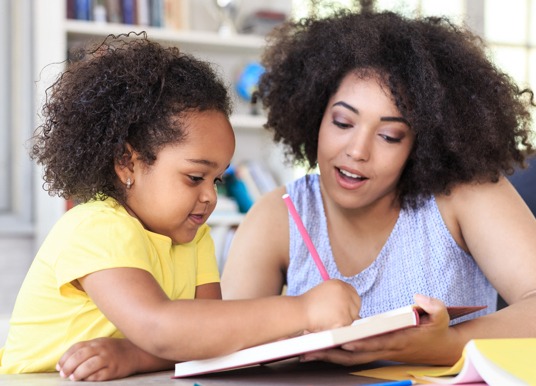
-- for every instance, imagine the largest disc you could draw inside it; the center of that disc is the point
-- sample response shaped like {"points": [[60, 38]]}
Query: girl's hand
{"points": [[99, 359], [414, 345], [331, 304], [104, 359]]}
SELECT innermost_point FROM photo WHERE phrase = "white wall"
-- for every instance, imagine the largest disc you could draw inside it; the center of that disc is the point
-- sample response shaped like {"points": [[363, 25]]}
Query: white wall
{"points": [[16, 256]]}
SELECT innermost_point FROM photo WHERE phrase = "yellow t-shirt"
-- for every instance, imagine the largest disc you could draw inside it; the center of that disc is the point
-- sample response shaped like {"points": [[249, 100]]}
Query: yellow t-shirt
{"points": [[50, 314]]}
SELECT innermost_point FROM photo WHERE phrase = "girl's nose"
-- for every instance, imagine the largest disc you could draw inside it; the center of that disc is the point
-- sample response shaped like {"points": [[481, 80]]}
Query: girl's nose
{"points": [[209, 194]]}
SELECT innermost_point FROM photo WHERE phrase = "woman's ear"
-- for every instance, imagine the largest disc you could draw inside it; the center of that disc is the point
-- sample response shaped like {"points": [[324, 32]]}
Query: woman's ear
{"points": [[124, 166]]}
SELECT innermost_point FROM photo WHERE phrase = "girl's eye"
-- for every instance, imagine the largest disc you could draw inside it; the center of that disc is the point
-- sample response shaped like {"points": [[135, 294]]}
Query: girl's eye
{"points": [[196, 178], [218, 181], [389, 139], [341, 125]]}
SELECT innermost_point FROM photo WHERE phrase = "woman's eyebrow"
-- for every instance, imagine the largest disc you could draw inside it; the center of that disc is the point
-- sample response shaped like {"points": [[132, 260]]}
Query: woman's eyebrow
{"points": [[395, 119], [347, 106], [383, 119]]}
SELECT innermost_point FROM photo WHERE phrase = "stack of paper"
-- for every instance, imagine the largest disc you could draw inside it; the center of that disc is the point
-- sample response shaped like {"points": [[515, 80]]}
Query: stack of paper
{"points": [[495, 362]]}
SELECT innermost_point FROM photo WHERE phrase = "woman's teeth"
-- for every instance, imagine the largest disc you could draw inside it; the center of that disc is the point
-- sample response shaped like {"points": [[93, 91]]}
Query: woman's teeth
{"points": [[351, 175]]}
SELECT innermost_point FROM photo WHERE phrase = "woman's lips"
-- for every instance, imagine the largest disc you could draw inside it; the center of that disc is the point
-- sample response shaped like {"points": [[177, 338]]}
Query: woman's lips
{"points": [[350, 179]]}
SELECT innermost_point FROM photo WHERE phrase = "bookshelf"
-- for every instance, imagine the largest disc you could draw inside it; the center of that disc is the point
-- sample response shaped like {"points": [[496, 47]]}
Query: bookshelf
{"points": [[54, 33], [190, 40]]}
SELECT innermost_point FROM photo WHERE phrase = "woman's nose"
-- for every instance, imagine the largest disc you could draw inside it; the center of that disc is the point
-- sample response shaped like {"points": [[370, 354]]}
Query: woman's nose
{"points": [[358, 146]]}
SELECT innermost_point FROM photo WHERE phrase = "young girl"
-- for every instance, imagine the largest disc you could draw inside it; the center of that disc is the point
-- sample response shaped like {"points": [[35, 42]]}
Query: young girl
{"points": [[140, 136], [412, 129]]}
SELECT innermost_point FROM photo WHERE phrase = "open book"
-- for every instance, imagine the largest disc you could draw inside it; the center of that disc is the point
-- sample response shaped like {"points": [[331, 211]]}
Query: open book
{"points": [[400, 318], [494, 361]]}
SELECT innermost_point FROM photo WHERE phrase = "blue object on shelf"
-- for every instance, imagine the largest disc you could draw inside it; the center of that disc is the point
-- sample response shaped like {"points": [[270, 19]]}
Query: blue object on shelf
{"points": [[248, 80], [237, 189]]}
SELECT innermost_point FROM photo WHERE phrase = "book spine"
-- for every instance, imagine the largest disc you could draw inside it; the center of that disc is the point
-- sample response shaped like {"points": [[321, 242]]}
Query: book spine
{"points": [[99, 12], [114, 11], [129, 11], [83, 10], [243, 173], [262, 176], [71, 9], [156, 13], [176, 14], [143, 12]]}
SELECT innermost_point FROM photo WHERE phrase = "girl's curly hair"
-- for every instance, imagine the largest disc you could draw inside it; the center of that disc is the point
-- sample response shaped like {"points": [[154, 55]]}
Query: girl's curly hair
{"points": [[126, 90], [472, 123]]}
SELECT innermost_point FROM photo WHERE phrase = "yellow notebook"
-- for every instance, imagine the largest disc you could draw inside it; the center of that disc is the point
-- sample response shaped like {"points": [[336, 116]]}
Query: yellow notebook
{"points": [[498, 362]]}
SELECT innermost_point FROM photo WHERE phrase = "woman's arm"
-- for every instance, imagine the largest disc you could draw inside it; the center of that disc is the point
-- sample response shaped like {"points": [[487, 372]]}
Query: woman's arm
{"points": [[259, 251], [493, 223]]}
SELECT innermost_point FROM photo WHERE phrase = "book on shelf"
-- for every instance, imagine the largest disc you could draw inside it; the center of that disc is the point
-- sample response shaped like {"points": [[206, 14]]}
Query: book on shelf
{"points": [[171, 14], [156, 13], [130, 12], [222, 236], [176, 14], [497, 362], [257, 178], [401, 318], [243, 173], [114, 11], [262, 175], [143, 12], [70, 9], [81, 9]]}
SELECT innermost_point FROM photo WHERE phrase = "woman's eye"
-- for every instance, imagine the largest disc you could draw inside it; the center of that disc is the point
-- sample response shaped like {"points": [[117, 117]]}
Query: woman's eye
{"points": [[390, 139], [341, 124]]}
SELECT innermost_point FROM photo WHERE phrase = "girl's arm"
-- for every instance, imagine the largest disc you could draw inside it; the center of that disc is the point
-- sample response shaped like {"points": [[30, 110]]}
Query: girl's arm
{"points": [[192, 329], [103, 359]]}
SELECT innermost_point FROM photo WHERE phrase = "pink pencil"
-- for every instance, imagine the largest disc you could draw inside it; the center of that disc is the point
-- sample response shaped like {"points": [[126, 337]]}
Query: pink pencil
{"points": [[305, 236]]}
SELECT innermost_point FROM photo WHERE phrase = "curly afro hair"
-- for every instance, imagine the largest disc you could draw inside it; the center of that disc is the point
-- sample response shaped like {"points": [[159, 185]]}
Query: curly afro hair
{"points": [[126, 90], [471, 122]]}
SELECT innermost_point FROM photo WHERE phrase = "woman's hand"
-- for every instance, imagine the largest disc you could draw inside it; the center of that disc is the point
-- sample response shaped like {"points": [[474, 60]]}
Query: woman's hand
{"points": [[414, 345]]}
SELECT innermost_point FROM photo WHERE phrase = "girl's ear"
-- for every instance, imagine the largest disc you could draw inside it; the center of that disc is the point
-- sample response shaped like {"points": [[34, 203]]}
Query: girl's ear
{"points": [[124, 166]]}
